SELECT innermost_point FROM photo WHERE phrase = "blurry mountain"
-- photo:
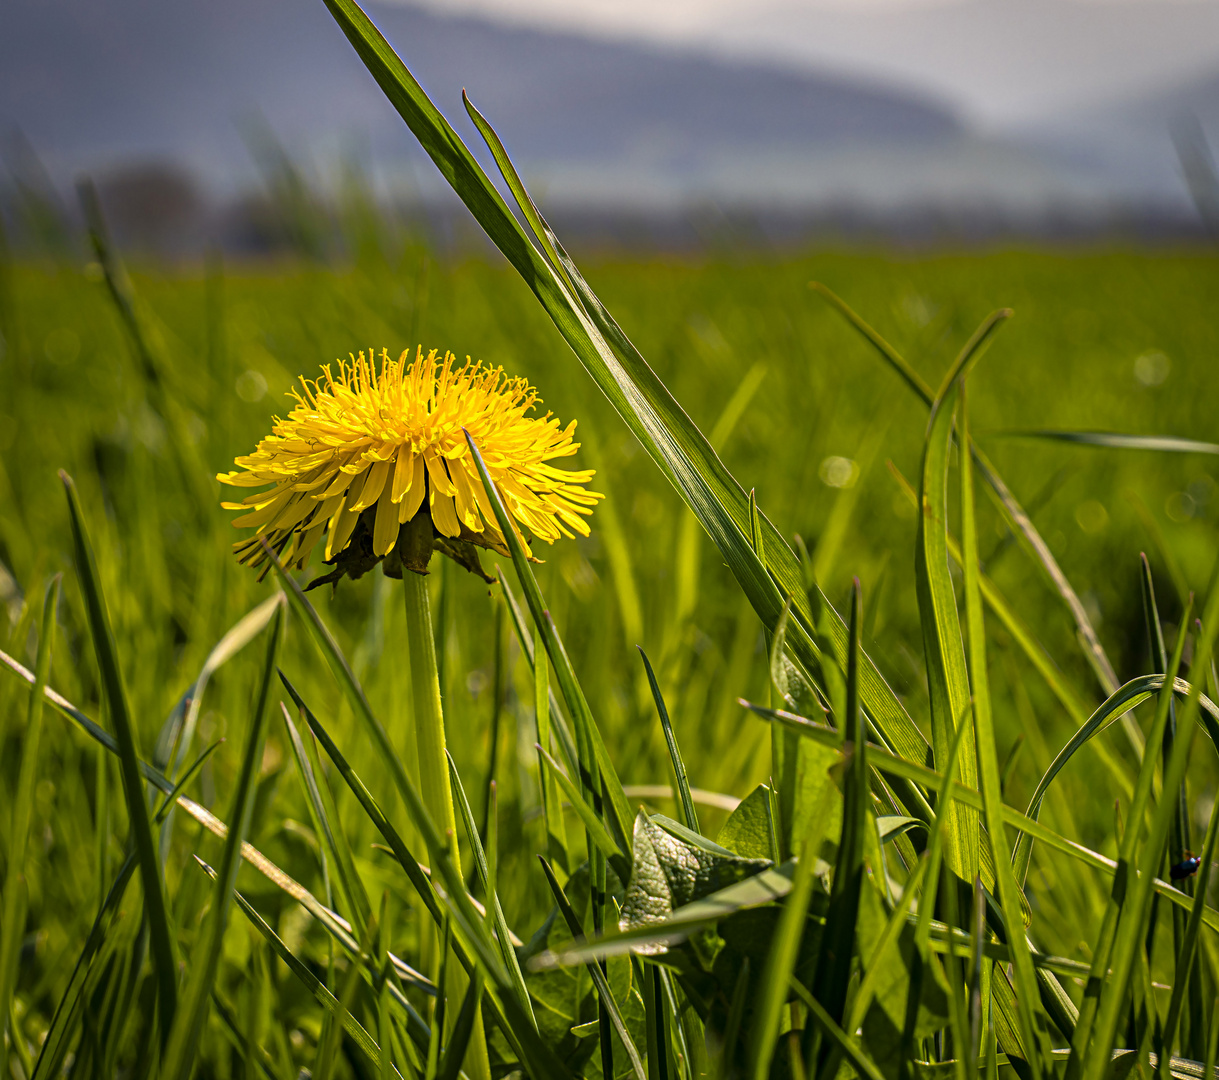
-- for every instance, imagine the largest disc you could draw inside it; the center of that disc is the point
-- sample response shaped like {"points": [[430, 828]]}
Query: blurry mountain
{"points": [[145, 92]]}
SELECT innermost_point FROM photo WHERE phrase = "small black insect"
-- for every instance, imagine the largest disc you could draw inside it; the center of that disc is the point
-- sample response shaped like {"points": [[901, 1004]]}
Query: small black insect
{"points": [[1187, 867]]}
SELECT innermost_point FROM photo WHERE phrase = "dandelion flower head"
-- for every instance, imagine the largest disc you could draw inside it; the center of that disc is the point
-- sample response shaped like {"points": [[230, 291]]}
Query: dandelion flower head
{"points": [[375, 445]]}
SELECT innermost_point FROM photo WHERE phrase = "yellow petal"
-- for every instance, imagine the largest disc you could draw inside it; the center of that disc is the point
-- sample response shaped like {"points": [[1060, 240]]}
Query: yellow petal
{"points": [[409, 506], [377, 475], [444, 517], [404, 472], [385, 531]]}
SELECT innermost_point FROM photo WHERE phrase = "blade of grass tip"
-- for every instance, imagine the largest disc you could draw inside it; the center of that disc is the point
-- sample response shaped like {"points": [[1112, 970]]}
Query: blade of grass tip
{"points": [[1156, 534], [179, 1057], [59, 1035], [16, 891], [689, 814], [1132, 929], [552, 806], [604, 994], [137, 808], [1114, 440], [785, 945], [1009, 507], [483, 863], [1032, 1033], [1120, 895], [619, 813], [325, 819]]}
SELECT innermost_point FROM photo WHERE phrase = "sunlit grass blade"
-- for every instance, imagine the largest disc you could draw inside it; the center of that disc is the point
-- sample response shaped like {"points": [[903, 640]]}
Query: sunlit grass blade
{"points": [[532, 646], [16, 890], [477, 946], [165, 960], [179, 1057], [1132, 929], [943, 645], [1006, 882], [1113, 440], [679, 767], [604, 994], [495, 912], [599, 771]]}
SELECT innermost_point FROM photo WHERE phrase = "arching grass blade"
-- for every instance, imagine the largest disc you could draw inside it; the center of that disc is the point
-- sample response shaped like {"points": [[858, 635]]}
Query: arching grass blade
{"points": [[679, 768]]}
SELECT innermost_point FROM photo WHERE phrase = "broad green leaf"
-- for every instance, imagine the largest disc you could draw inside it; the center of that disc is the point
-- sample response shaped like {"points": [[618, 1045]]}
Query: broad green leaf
{"points": [[668, 873], [165, 960], [747, 830], [179, 1057]]}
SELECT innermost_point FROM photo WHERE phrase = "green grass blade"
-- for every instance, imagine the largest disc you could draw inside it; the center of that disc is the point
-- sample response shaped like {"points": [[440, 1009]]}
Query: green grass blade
{"points": [[463, 1029], [552, 806], [16, 891], [495, 913], [1112, 932], [841, 1040], [604, 995], [1112, 440], [1008, 506], [679, 766], [165, 960], [171, 799], [1132, 929], [599, 771], [1007, 884], [947, 675], [323, 815], [838, 943], [179, 1056], [597, 832]]}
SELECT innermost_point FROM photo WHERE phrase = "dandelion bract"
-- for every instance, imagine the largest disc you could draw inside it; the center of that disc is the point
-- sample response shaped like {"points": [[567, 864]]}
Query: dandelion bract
{"points": [[379, 443]]}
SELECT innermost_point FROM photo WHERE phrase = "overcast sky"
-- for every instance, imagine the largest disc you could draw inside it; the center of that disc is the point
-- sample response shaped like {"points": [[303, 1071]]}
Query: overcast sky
{"points": [[1004, 63]]}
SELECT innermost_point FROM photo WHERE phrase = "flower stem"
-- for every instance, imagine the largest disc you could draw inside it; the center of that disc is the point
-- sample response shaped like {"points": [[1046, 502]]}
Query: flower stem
{"points": [[434, 785]]}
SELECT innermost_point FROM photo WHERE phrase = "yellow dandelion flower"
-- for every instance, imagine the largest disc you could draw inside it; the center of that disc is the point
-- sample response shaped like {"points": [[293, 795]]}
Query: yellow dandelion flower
{"points": [[365, 452]]}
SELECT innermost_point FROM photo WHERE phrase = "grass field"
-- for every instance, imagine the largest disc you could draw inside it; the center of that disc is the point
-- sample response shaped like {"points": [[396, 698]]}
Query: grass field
{"points": [[1112, 340]]}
